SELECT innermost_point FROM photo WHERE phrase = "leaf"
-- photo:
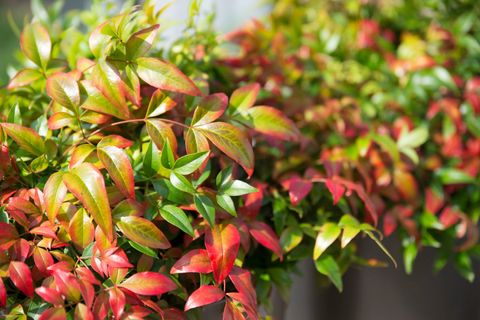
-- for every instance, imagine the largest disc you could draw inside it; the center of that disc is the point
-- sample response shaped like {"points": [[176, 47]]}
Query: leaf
{"points": [[326, 265], [204, 295], [7, 233], [36, 44], [80, 154], [81, 229], [453, 176], [244, 97], [232, 312], [99, 37], [160, 131], [379, 244], [143, 231], [140, 42], [24, 78], [98, 102], [118, 165], [165, 76], [82, 312], [237, 188], [205, 207], [50, 295], [42, 259], [272, 122], [151, 160], [196, 261], [145, 250], [181, 183], [106, 78], [54, 194], [290, 238], [413, 139], [63, 89], [231, 141], [327, 235], [87, 185], [264, 235], [21, 277], [209, 109], [27, 138], [159, 104], [177, 217], [222, 243], [59, 120], [195, 141], [190, 162], [3, 294], [336, 189], [351, 228], [116, 300], [148, 283], [226, 203], [57, 313]]}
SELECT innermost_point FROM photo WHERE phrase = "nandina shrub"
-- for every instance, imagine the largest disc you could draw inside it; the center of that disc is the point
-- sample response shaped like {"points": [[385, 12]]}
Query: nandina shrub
{"points": [[123, 190], [386, 98]]}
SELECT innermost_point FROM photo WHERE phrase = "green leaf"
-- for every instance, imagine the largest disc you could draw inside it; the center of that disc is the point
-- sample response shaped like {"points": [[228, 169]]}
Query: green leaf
{"points": [[143, 249], [409, 254], [53, 194], [453, 176], [64, 90], [26, 138], [326, 265], [226, 203], [36, 44], [351, 228], [413, 139], [244, 97], [167, 158], [388, 145], [379, 244], [24, 78], [237, 188], [140, 42], [327, 235], [205, 207], [39, 164], [177, 217], [223, 177], [106, 78], [181, 183], [231, 141], [118, 165], [143, 231], [87, 185], [189, 163], [151, 160], [98, 102], [290, 238], [165, 76]]}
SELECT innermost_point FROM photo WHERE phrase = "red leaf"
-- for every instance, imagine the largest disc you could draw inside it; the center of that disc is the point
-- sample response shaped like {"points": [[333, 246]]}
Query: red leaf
{"points": [[100, 307], [116, 299], [389, 224], [336, 189], [44, 231], [114, 140], [43, 259], [50, 295], [433, 201], [298, 189], [232, 312], [8, 233], [20, 250], [21, 277], [54, 314], [3, 294], [149, 283], [27, 138], [166, 76], [271, 122], [203, 296], [82, 312], [67, 284], [195, 261], [242, 281], [449, 217], [222, 243], [59, 120], [264, 235]]}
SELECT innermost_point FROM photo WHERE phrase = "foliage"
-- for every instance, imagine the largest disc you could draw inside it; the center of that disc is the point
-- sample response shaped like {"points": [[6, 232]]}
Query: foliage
{"points": [[386, 96], [123, 175]]}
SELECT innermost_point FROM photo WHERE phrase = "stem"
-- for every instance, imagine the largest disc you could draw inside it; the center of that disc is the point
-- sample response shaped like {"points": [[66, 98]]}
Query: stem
{"points": [[115, 124]]}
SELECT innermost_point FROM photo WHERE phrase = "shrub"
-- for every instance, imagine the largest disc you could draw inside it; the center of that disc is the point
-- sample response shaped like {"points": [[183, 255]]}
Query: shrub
{"points": [[386, 98], [122, 176]]}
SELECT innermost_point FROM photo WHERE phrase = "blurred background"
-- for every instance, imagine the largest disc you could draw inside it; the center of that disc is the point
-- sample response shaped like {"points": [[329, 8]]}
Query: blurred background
{"points": [[369, 294]]}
